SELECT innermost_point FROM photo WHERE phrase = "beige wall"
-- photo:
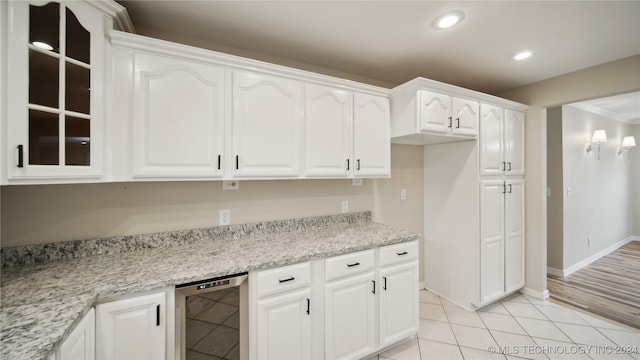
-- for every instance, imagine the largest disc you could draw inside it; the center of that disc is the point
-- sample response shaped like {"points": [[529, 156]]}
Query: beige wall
{"points": [[612, 78], [634, 159], [555, 186]]}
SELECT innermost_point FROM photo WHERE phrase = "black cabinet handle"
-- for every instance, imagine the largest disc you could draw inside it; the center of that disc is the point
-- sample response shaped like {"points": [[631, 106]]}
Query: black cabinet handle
{"points": [[509, 163], [347, 164], [457, 123], [218, 162], [402, 253], [504, 188], [158, 315], [285, 280], [384, 285], [450, 121], [236, 162], [509, 188], [20, 156], [373, 290], [504, 166], [354, 264], [358, 164], [308, 306]]}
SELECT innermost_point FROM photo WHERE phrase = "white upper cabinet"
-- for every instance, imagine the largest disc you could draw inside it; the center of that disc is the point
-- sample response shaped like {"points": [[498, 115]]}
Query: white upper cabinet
{"points": [[435, 114], [55, 124], [501, 141], [267, 118], [328, 131], [427, 112], [465, 115], [178, 112], [492, 140], [372, 148], [514, 142]]}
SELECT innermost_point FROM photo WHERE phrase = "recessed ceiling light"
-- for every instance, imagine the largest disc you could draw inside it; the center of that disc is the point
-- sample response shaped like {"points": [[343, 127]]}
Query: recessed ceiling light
{"points": [[448, 20], [42, 45], [522, 55]]}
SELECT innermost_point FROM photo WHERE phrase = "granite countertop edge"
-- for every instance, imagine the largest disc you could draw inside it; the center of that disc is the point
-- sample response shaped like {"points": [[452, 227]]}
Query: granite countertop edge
{"points": [[34, 327]]}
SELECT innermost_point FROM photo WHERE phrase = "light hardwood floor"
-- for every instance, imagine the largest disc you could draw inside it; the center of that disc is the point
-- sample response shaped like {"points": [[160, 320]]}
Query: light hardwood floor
{"points": [[608, 287]]}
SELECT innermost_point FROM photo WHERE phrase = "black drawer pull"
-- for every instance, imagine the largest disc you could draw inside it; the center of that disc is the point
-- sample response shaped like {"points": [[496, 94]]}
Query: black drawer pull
{"points": [[285, 280], [402, 253], [354, 264]]}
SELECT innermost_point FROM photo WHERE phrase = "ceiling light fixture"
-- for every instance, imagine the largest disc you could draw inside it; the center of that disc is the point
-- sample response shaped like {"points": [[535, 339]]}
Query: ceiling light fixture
{"points": [[42, 45], [522, 55], [448, 20]]}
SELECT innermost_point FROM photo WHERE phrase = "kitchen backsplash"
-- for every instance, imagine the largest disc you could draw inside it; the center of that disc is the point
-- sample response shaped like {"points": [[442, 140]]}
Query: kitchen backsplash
{"points": [[41, 253]]}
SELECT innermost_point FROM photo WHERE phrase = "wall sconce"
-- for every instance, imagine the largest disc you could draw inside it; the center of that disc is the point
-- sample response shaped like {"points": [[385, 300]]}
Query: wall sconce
{"points": [[627, 143], [599, 137]]}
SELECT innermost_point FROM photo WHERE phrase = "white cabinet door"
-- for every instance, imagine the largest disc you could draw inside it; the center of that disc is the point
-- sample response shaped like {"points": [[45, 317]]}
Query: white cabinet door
{"points": [[435, 112], [514, 142], [372, 142], [55, 116], [491, 140], [465, 117], [80, 344], [514, 235], [177, 118], [284, 327], [328, 131], [492, 240], [398, 302], [267, 118], [132, 328], [350, 317]]}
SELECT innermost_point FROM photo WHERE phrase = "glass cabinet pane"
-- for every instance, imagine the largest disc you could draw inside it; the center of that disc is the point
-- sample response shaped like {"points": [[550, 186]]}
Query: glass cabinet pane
{"points": [[77, 141], [78, 39], [44, 26], [77, 88], [44, 138], [44, 77]]}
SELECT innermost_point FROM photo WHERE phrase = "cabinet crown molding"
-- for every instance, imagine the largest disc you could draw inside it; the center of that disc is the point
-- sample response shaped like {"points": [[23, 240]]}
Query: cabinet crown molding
{"points": [[421, 83], [135, 42]]}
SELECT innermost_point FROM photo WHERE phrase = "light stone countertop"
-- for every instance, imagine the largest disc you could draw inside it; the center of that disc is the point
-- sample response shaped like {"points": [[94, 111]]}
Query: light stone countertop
{"points": [[42, 302]]}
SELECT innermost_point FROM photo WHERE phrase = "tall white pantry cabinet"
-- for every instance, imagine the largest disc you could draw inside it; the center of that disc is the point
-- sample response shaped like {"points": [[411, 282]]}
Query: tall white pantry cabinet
{"points": [[473, 190]]}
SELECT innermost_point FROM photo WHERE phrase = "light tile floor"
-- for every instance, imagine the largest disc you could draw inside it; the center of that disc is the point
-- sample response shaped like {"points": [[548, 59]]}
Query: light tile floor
{"points": [[520, 326]]}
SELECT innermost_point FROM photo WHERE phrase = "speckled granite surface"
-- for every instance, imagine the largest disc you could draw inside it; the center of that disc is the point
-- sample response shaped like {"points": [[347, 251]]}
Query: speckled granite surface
{"points": [[42, 302]]}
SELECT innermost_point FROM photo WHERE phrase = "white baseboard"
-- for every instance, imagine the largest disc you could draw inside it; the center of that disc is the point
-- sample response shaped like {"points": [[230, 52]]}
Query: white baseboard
{"points": [[554, 271], [541, 295], [594, 257]]}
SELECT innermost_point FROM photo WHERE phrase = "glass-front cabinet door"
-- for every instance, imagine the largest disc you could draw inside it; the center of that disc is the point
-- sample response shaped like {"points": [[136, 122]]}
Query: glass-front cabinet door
{"points": [[56, 92]]}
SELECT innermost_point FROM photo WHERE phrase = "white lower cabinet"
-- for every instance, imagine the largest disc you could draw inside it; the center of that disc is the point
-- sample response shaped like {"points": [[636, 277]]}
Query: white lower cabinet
{"points": [[398, 302], [80, 344], [502, 238], [350, 305], [136, 327], [284, 326], [344, 307]]}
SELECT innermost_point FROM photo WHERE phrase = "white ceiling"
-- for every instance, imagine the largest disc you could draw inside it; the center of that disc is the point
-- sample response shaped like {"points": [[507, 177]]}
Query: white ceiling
{"points": [[393, 41], [624, 107]]}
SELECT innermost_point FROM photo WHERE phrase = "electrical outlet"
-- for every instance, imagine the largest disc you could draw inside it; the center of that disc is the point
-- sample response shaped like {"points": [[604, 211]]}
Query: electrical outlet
{"points": [[403, 194], [230, 185], [356, 182], [225, 217], [345, 206]]}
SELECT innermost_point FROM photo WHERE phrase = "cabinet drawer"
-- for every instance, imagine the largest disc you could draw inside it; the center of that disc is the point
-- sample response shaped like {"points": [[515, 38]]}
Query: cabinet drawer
{"points": [[345, 265], [397, 253], [284, 278]]}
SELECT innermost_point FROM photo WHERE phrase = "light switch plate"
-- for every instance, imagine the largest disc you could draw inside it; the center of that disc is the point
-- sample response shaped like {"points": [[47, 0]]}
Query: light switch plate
{"points": [[230, 185], [356, 182]]}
